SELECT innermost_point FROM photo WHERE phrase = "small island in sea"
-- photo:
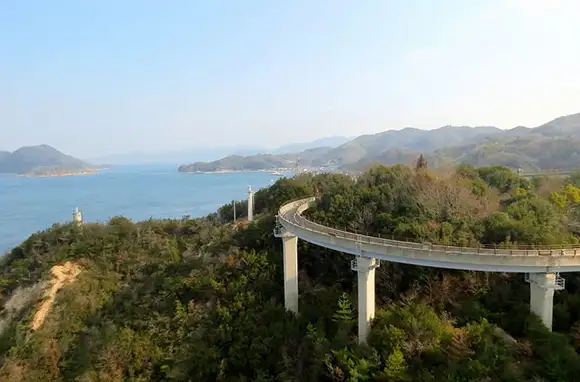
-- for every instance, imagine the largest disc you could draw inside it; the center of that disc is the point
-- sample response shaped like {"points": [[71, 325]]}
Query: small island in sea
{"points": [[51, 171], [238, 163], [43, 161]]}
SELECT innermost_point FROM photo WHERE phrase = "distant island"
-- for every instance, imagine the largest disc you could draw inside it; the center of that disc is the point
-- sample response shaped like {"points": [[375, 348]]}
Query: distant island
{"points": [[237, 163], [43, 161], [553, 145], [260, 162], [41, 172]]}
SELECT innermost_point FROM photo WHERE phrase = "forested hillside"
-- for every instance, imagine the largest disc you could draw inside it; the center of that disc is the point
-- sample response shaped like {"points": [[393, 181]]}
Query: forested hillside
{"points": [[553, 145], [202, 299]]}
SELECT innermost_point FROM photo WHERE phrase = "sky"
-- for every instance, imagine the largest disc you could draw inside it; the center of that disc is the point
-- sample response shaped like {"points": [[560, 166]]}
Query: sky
{"points": [[98, 77]]}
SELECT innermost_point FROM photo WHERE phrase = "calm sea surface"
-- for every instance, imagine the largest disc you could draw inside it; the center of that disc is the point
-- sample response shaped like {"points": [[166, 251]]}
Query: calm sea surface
{"points": [[28, 205]]}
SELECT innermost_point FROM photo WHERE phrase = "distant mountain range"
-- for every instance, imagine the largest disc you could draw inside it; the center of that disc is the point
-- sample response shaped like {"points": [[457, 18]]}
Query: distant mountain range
{"points": [[42, 160], [210, 154], [554, 145], [322, 142]]}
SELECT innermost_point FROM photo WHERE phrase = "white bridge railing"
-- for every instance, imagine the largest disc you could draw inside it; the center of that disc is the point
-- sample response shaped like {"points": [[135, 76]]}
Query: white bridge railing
{"points": [[559, 282], [291, 214]]}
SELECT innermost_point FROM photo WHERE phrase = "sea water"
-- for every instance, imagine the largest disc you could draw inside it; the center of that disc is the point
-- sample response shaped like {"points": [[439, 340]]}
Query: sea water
{"points": [[28, 205]]}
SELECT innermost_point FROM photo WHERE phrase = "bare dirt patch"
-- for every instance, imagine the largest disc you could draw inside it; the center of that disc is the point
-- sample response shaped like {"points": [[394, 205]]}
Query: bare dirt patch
{"points": [[62, 275]]}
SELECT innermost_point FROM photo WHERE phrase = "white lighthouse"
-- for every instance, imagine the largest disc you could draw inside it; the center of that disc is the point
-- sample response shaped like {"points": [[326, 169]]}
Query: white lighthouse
{"points": [[77, 216], [250, 204]]}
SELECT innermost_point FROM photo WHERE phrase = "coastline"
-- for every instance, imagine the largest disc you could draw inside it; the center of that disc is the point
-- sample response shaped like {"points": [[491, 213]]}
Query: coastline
{"points": [[234, 171], [98, 197], [87, 172]]}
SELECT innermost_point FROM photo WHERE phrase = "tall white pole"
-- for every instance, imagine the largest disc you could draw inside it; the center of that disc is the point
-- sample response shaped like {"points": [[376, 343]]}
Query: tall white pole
{"points": [[250, 204]]}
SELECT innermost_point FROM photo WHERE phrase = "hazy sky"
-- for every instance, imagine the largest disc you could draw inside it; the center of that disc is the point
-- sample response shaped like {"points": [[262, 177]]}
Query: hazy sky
{"points": [[108, 76]]}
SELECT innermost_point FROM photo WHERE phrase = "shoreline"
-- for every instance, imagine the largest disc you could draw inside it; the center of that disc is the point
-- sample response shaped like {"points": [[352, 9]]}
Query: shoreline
{"points": [[57, 175], [237, 171]]}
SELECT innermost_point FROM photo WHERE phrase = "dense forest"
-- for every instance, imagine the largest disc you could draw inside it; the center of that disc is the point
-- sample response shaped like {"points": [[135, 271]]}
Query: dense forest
{"points": [[202, 299]]}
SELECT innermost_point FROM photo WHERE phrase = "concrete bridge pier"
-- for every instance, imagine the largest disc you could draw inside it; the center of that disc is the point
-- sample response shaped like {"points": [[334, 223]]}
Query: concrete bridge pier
{"points": [[542, 287], [365, 268], [290, 258]]}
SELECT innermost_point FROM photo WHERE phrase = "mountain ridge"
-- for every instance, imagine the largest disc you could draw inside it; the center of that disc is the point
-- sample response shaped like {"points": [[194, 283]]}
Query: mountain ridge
{"points": [[445, 145], [201, 154]]}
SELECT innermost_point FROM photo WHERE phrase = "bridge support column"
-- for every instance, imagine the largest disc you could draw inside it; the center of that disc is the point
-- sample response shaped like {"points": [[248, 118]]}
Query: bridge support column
{"points": [[542, 287], [290, 260], [365, 268], [290, 253]]}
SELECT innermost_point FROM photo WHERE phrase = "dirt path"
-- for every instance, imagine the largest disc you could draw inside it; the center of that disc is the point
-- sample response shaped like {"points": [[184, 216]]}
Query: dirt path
{"points": [[62, 275]]}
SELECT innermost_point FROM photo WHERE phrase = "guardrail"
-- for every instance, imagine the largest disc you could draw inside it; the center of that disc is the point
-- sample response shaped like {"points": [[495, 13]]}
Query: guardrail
{"points": [[295, 209]]}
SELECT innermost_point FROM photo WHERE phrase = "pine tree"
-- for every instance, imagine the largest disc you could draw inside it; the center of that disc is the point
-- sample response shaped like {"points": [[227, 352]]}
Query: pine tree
{"points": [[344, 311], [458, 347]]}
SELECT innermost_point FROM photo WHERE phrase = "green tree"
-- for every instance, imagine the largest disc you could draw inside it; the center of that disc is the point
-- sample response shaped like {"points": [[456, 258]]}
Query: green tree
{"points": [[344, 313]]}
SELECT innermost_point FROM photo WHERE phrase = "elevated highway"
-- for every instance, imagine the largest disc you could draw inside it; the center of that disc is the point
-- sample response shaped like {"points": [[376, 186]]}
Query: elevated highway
{"points": [[542, 266]]}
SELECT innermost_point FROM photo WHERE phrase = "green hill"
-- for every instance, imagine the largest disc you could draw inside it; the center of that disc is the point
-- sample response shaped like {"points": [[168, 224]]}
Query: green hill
{"points": [[41, 160], [567, 126], [528, 153], [554, 145], [549, 146], [362, 150], [259, 162], [202, 299], [238, 163]]}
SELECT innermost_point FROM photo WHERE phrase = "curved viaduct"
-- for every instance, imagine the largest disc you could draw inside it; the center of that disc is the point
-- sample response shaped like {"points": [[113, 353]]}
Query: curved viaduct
{"points": [[541, 266]]}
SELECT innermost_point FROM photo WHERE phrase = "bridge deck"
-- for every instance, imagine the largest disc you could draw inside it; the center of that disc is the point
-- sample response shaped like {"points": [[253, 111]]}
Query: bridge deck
{"points": [[426, 254]]}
